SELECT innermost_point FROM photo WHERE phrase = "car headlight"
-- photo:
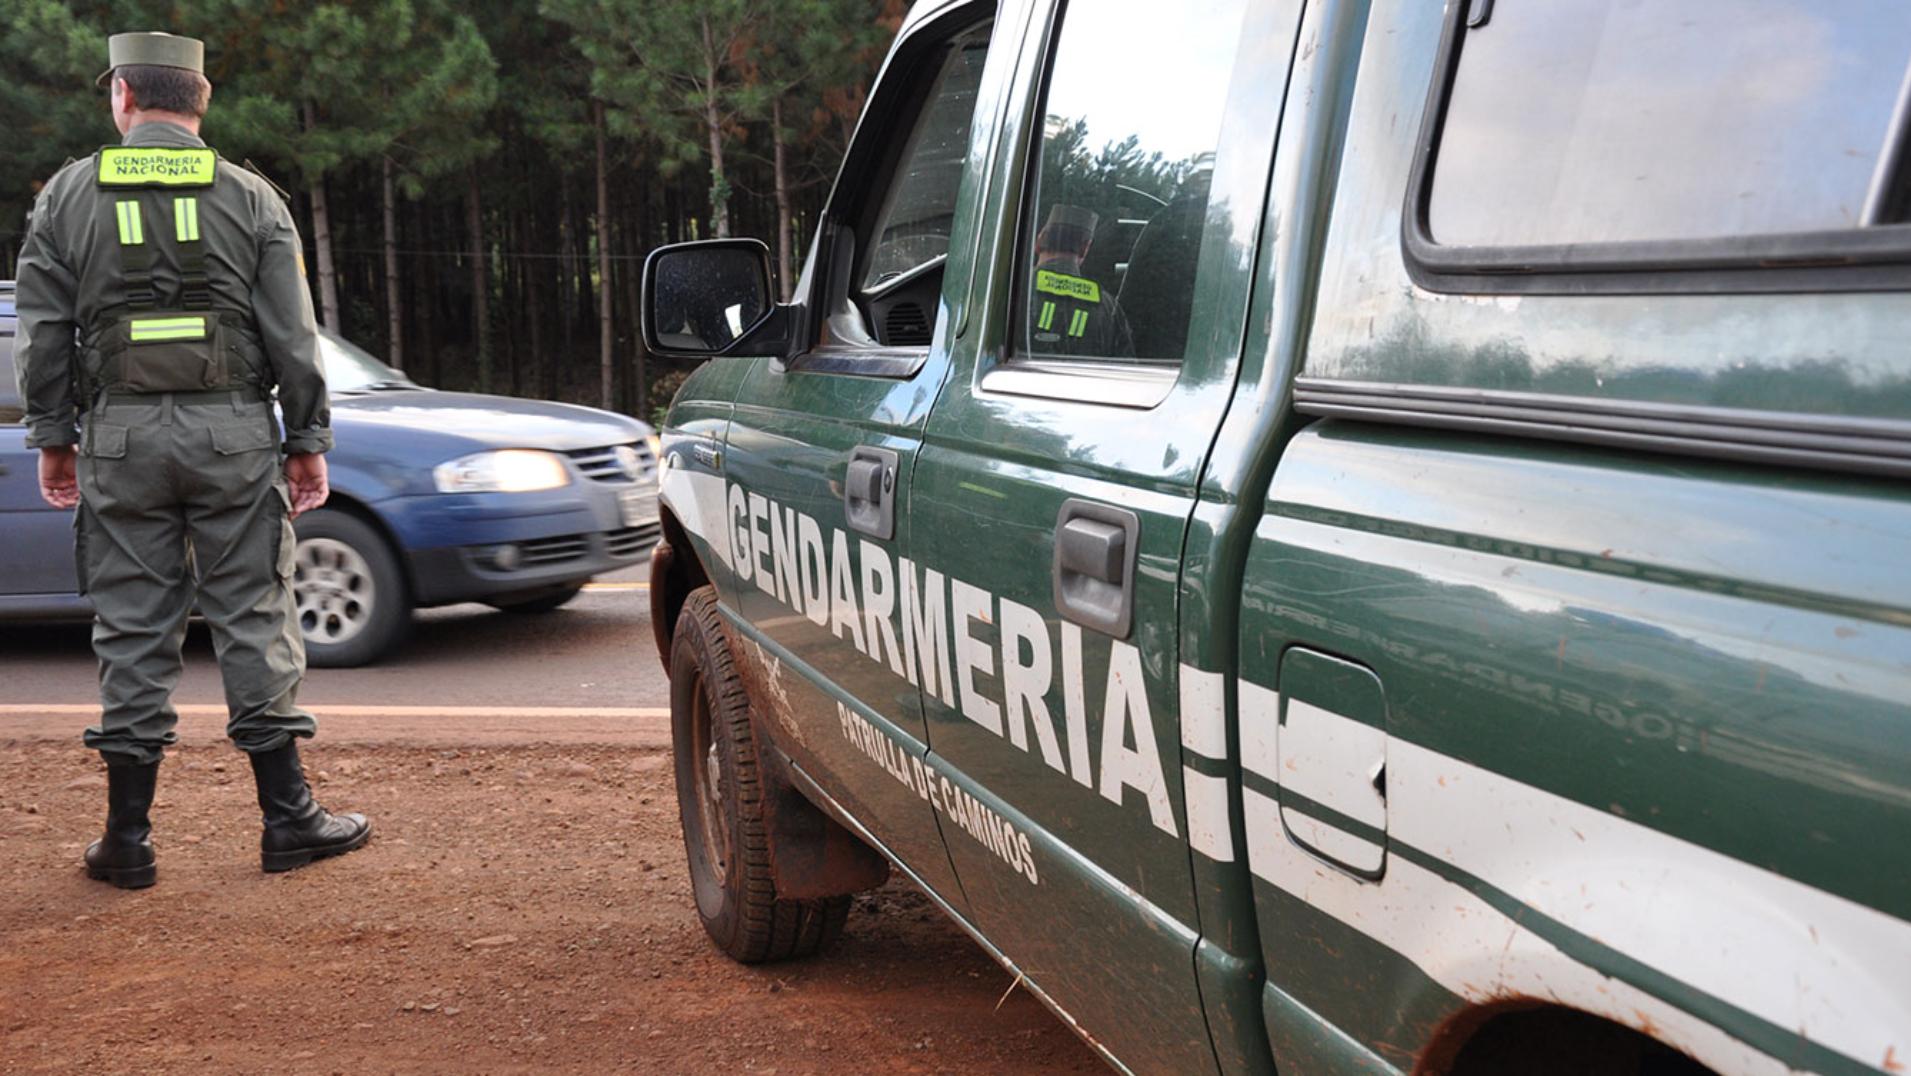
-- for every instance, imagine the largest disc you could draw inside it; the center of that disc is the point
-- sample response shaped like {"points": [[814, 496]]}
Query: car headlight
{"points": [[656, 444], [508, 470]]}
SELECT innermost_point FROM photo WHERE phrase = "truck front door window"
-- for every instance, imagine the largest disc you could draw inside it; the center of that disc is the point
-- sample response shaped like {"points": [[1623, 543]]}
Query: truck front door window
{"points": [[1113, 236]]}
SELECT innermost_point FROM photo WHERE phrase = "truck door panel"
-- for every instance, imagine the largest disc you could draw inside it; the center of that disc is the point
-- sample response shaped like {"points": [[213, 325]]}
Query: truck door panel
{"points": [[820, 593], [1612, 686], [1082, 404]]}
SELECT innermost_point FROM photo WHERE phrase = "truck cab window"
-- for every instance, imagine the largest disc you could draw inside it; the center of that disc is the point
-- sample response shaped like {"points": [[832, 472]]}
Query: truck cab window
{"points": [[1112, 235], [899, 275], [913, 227], [1581, 121]]}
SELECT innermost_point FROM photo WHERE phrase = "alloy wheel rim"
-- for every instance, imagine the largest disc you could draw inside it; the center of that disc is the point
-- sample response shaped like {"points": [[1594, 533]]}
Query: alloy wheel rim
{"points": [[332, 583]]}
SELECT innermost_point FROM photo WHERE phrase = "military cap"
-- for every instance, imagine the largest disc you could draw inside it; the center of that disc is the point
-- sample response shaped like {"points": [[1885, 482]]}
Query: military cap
{"points": [[1069, 227], [153, 49], [1074, 216]]}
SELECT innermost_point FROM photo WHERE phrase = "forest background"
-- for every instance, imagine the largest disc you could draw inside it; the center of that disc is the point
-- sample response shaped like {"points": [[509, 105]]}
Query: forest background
{"points": [[477, 183]]}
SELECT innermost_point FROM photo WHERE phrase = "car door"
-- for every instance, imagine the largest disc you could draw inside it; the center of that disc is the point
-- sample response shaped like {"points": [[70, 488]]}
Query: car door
{"points": [[820, 445], [36, 542], [1054, 489]]}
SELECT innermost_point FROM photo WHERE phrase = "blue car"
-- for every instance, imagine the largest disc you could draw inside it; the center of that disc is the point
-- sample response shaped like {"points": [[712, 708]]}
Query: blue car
{"points": [[437, 498]]}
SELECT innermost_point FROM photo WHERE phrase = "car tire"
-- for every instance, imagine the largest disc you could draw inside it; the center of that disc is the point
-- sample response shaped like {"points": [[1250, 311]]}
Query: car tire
{"points": [[539, 602], [353, 606], [720, 801]]}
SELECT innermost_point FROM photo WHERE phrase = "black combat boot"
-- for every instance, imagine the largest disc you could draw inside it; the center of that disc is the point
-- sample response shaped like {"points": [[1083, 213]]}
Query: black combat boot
{"points": [[297, 830], [124, 856]]}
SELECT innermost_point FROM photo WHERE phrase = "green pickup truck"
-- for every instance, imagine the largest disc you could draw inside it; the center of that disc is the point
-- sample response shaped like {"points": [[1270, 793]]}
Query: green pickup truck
{"points": [[1345, 536]]}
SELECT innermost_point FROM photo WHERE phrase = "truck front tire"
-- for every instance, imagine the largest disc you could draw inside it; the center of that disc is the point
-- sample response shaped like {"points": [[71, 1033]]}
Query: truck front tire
{"points": [[720, 801]]}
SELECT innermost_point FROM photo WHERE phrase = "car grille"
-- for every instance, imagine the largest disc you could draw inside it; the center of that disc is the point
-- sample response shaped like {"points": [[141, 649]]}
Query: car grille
{"points": [[600, 464], [632, 540], [544, 552]]}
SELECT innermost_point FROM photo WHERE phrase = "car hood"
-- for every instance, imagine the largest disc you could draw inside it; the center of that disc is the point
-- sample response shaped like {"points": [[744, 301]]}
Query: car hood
{"points": [[490, 421]]}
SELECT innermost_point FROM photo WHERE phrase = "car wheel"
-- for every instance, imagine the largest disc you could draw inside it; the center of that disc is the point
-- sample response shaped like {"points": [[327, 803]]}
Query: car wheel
{"points": [[720, 800], [352, 603], [540, 602]]}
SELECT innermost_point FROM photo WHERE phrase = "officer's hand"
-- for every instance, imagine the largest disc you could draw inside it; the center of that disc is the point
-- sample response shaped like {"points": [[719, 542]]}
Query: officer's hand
{"points": [[59, 476], [305, 474]]}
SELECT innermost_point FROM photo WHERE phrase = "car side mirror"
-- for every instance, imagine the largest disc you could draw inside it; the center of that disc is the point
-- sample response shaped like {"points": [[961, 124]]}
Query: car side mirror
{"points": [[706, 298]]}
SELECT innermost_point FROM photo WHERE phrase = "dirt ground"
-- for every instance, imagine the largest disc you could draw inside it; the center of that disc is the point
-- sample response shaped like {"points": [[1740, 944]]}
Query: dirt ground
{"points": [[520, 909]]}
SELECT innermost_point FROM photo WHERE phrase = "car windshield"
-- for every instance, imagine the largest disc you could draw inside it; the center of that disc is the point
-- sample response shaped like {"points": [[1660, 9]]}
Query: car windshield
{"points": [[349, 368]]}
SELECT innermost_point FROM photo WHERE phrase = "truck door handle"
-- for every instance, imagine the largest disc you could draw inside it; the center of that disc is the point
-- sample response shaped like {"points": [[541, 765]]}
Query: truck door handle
{"points": [[869, 492], [1095, 547]]}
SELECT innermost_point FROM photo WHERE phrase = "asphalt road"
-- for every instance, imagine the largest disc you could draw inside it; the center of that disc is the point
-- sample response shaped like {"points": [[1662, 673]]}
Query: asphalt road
{"points": [[587, 673]]}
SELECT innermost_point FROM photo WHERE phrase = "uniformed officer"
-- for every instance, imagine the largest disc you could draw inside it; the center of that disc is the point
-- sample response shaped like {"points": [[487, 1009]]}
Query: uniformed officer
{"points": [[161, 298], [1069, 313]]}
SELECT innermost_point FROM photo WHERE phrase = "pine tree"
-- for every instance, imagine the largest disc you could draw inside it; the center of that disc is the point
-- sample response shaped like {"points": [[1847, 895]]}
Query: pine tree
{"points": [[668, 70]]}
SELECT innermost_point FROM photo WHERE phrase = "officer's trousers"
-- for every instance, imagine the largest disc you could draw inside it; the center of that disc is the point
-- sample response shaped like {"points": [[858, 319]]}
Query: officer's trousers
{"points": [[183, 497]]}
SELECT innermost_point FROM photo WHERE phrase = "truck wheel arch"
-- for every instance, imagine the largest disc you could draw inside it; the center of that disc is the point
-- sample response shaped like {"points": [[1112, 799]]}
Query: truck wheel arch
{"points": [[675, 571], [1518, 1036]]}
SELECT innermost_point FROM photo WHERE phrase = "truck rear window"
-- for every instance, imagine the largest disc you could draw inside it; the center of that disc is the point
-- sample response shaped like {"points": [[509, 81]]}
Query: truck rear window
{"points": [[1586, 121]]}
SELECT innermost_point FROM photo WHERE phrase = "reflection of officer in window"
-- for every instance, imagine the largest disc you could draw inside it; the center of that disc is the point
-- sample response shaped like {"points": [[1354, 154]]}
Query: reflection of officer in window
{"points": [[1070, 314]]}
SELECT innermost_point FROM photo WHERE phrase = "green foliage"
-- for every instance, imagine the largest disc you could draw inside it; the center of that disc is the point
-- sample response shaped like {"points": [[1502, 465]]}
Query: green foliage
{"points": [[1102, 180], [484, 98]]}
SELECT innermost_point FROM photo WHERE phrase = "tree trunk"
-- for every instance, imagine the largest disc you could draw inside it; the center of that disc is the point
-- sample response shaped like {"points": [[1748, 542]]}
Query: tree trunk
{"points": [[533, 299], [567, 291], [604, 362], [480, 284], [322, 240], [394, 300], [636, 215], [713, 123], [782, 199]]}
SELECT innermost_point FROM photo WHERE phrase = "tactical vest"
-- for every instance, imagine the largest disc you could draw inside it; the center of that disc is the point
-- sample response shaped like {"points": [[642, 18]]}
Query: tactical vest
{"points": [[1076, 299], [144, 348]]}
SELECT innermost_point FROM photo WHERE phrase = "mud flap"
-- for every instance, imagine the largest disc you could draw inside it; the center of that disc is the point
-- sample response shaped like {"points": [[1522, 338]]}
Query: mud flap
{"points": [[811, 855]]}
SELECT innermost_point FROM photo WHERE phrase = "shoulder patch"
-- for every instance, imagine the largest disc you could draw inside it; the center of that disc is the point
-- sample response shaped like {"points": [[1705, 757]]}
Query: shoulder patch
{"points": [[156, 166]]}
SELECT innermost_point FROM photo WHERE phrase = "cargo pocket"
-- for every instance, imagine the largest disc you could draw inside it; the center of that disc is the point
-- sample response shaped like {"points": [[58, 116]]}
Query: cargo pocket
{"points": [[242, 437], [288, 538], [247, 461], [80, 572], [104, 441]]}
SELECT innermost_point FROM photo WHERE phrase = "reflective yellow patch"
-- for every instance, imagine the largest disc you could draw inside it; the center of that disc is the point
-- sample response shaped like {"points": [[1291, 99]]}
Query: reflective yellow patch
{"points": [[186, 219], [130, 232], [150, 330], [157, 166], [1072, 287]]}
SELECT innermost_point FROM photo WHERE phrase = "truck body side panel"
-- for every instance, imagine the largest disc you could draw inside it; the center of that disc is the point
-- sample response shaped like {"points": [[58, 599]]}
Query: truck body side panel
{"points": [[1643, 749]]}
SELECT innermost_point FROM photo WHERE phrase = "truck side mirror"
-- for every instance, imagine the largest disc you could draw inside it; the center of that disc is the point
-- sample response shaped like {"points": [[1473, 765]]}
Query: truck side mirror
{"points": [[702, 298]]}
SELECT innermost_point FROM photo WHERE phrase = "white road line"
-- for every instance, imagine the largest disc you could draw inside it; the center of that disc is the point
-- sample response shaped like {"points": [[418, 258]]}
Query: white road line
{"points": [[208, 710], [601, 588]]}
